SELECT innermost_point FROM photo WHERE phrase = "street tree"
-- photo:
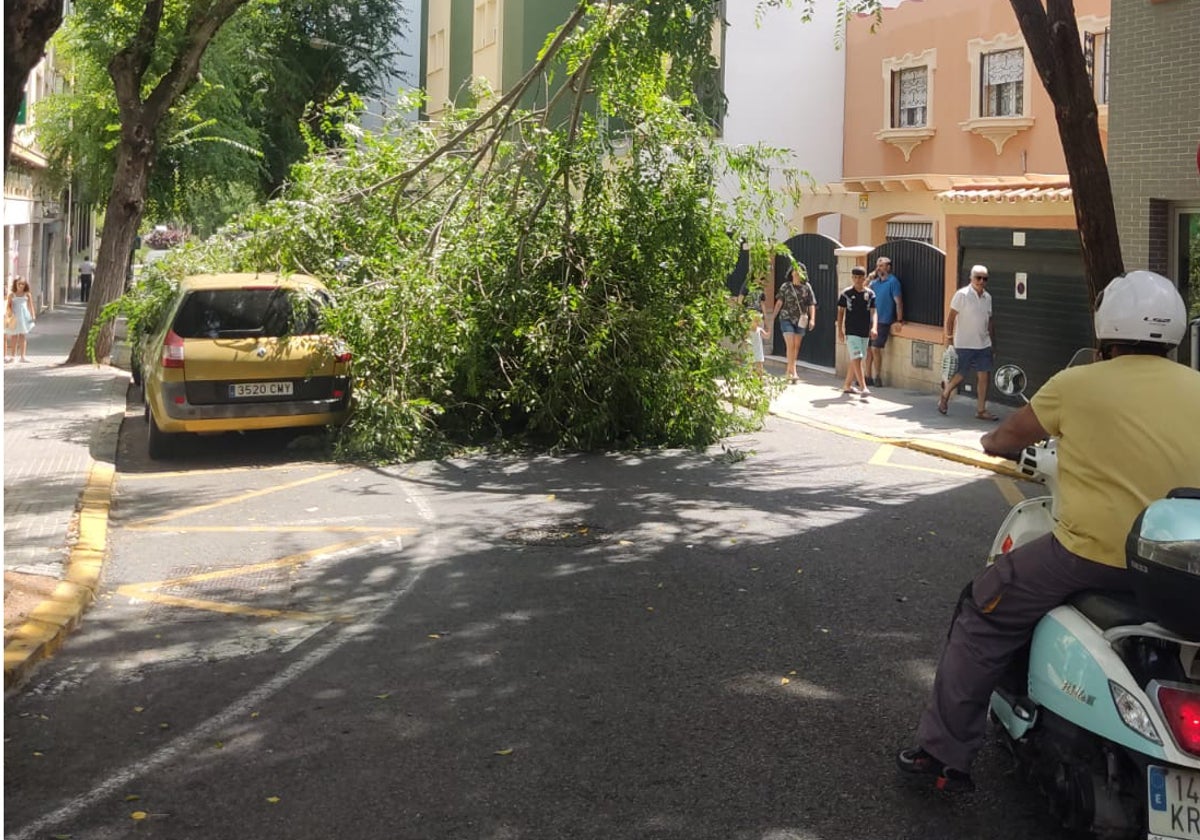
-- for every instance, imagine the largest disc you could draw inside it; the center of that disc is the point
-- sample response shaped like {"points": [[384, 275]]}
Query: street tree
{"points": [[28, 26], [1052, 35], [545, 267], [156, 52]]}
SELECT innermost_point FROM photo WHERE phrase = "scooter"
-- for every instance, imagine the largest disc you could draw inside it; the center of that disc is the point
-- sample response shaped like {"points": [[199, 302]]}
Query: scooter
{"points": [[1103, 709]]}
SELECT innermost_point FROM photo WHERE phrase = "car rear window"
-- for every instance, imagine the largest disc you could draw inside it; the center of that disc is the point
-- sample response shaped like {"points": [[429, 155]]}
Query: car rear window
{"points": [[228, 313]]}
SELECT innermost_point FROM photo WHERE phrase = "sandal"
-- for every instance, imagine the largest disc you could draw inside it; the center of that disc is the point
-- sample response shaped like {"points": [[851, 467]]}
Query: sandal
{"points": [[943, 405], [985, 415]]}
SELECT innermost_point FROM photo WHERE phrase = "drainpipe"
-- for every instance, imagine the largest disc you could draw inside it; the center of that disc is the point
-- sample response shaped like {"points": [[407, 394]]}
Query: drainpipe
{"points": [[1196, 344]]}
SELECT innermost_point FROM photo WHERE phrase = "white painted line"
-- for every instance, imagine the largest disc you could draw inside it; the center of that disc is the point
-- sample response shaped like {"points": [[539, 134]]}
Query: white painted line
{"points": [[239, 709]]}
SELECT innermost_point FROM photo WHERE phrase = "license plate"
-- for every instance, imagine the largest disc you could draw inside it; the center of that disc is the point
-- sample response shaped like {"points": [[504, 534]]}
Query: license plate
{"points": [[260, 389], [1174, 803]]}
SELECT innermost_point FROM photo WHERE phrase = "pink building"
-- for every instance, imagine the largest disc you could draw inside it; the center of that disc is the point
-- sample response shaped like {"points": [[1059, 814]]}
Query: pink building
{"points": [[951, 156]]}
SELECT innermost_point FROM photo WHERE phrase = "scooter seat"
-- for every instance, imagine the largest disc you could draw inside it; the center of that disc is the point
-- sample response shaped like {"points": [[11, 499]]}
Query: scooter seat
{"points": [[1108, 609]]}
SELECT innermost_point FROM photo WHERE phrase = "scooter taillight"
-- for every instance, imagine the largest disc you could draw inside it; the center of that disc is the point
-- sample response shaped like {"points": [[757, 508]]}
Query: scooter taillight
{"points": [[1181, 708]]}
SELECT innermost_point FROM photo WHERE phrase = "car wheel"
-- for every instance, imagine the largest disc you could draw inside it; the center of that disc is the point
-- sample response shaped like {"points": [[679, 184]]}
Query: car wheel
{"points": [[159, 444]]}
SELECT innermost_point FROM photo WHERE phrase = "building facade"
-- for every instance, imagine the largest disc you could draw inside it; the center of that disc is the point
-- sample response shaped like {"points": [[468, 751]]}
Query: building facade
{"points": [[951, 143], [44, 229], [494, 40], [1154, 148]]}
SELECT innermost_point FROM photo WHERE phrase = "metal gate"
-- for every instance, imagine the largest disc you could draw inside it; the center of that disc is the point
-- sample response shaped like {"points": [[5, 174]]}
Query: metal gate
{"points": [[817, 253], [922, 272], [1043, 321]]}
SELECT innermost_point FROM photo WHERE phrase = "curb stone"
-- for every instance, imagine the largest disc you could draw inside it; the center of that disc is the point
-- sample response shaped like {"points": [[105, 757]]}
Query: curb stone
{"points": [[49, 623], [946, 451]]}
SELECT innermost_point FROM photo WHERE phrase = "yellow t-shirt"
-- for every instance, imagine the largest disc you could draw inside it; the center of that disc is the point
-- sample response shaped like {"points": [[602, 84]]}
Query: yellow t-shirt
{"points": [[1129, 431]]}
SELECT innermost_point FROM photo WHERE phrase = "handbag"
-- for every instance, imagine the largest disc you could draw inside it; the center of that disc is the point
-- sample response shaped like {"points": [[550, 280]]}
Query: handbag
{"points": [[949, 363], [10, 317]]}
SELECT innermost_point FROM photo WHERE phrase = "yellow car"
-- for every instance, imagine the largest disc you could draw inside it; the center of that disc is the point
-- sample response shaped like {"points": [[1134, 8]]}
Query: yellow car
{"points": [[242, 351]]}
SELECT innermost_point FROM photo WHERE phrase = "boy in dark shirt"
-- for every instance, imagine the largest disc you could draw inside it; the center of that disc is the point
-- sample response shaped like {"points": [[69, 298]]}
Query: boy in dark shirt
{"points": [[857, 323]]}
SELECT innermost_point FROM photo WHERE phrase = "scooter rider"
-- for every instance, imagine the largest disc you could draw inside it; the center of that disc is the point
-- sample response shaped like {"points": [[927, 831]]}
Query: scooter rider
{"points": [[1127, 434]]}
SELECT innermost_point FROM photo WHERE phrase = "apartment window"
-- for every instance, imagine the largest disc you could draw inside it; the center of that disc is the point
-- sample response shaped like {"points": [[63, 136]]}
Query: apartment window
{"points": [[999, 66], [1002, 84], [436, 58], [486, 22], [910, 97], [1095, 55]]}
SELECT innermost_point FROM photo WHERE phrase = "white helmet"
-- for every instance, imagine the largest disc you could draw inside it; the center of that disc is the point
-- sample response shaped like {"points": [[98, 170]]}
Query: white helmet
{"points": [[1141, 306]]}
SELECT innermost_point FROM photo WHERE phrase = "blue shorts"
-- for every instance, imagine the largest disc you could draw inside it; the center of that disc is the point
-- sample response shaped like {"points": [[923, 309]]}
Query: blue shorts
{"points": [[881, 337], [974, 361], [786, 326], [856, 346]]}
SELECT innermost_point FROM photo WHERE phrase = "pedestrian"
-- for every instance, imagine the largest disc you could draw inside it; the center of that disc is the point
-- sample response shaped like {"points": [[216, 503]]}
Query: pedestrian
{"points": [[889, 303], [973, 333], [796, 307], [18, 319], [755, 302], [87, 270], [857, 323]]}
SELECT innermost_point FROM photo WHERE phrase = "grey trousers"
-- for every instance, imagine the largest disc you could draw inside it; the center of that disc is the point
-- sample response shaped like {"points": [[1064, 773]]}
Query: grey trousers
{"points": [[994, 619]]}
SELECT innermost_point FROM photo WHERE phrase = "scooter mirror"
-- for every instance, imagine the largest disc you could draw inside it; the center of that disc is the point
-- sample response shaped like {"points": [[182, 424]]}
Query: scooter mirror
{"points": [[1010, 380]]}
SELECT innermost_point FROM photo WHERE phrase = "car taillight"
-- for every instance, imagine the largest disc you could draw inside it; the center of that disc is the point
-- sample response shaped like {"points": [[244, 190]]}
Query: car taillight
{"points": [[1007, 545], [1181, 708], [172, 356]]}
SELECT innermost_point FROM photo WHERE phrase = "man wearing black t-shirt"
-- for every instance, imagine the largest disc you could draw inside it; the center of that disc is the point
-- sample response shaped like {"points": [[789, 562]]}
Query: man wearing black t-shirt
{"points": [[857, 323]]}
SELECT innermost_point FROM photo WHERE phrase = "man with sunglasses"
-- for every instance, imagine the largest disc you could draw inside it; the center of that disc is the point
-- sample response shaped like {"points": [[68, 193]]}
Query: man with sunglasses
{"points": [[973, 332]]}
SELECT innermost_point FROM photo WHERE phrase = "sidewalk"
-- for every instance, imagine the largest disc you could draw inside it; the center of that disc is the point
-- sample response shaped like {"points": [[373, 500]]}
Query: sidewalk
{"points": [[899, 416], [60, 436]]}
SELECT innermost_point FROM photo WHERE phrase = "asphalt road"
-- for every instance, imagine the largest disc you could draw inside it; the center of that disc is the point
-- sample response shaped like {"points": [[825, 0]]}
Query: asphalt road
{"points": [[727, 644]]}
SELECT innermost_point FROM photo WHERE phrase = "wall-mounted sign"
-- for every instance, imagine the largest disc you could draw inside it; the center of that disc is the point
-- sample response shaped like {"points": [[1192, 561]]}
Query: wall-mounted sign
{"points": [[1018, 239], [864, 201], [1021, 286]]}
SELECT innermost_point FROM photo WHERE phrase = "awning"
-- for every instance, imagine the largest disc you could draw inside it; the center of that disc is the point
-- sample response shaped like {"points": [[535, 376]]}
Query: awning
{"points": [[993, 194]]}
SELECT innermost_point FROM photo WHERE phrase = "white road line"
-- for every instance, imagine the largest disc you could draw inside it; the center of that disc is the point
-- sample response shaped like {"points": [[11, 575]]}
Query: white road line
{"points": [[240, 708]]}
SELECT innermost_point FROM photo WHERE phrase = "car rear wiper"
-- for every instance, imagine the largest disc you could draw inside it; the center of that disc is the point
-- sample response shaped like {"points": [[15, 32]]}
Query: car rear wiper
{"points": [[240, 333]]}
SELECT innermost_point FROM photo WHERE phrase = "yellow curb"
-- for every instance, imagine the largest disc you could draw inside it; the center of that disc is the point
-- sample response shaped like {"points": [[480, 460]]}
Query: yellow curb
{"points": [[50, 621], [947, 451]]}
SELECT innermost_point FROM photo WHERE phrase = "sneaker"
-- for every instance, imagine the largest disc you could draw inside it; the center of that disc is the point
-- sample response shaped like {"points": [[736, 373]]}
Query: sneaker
{"points": [[917, 762]]}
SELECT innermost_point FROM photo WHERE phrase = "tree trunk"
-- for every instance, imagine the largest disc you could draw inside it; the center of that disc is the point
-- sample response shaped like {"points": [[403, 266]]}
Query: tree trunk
{"points": [[126, 201], [141, 117], [1054, 43], [28, 25]]}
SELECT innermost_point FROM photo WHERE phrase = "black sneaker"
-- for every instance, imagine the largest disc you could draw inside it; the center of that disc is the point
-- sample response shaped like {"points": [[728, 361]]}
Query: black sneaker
{"points": [[916, 761]]}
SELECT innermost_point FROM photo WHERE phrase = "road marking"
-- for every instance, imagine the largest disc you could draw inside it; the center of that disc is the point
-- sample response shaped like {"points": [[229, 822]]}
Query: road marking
{"points": [[151, 476], [1009, 489], [242, 707], [251, 494], [883, 455], [273, 529], [149, 590]]}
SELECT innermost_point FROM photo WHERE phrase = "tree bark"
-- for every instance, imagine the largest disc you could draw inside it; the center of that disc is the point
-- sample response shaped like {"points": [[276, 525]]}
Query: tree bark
{"points": [[140, 123], [28, 25], [1052, 35]]}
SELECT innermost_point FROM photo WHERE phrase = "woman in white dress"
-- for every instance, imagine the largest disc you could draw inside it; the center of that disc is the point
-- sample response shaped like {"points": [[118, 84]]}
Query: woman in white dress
{"points": [[18, 320]]}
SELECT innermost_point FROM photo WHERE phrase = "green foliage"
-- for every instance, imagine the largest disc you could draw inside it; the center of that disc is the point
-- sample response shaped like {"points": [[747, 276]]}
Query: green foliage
{"points": [[542, 280], [232, 137]]}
